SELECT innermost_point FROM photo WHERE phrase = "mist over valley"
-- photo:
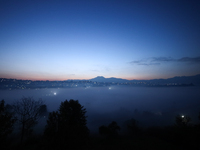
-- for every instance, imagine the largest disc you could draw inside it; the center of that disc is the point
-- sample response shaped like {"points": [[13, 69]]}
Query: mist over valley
{"points": [[150, 106]]}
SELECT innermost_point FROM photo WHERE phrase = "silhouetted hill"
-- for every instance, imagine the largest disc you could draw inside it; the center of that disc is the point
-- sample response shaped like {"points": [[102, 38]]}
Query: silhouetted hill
{"points": [[102, 81], [112, 79], [178, 79]]}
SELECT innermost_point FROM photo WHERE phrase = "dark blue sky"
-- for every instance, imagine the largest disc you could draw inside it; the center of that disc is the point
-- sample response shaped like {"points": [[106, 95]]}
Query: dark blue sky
{"points": [[136, 39]]}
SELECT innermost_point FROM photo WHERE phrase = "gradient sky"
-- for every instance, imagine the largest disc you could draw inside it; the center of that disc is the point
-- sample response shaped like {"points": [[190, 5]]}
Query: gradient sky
{"points": [[136, 39]]}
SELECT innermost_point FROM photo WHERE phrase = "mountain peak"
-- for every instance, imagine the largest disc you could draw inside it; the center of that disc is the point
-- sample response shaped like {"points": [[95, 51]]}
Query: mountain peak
{"points": [[178, 79], [103, 79], [100, 77]]}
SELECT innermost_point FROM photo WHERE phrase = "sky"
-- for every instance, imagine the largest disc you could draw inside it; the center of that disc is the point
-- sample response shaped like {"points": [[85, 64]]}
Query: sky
{"points": [[82, 39]]}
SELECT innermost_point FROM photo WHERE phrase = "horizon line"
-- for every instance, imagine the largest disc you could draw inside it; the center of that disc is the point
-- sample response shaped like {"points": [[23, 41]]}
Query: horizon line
{"points": [[96, 77]]}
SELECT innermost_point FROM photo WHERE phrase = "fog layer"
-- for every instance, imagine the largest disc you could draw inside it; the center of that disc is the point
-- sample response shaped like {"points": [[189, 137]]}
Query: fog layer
{"points": [[149, 105]]}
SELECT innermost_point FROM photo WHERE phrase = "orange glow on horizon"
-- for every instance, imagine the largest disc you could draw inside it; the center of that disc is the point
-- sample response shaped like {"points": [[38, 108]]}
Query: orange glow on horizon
{"points": [[44, 78], [63, 79]]}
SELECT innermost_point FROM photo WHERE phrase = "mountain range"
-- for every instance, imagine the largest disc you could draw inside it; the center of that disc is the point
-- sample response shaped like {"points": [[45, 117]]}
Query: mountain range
{"points": [[178, 79]]}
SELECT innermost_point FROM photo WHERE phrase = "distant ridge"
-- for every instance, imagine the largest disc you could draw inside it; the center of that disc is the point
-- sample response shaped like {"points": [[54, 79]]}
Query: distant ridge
{"points": [[178, 79], [112, 79]]}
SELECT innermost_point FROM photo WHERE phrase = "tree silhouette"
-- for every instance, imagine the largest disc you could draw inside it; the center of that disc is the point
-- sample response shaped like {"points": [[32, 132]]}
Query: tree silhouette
{"points": [[43, 110], [132, 126], [199, 116], [103, 130], [110, 131], [6, 122], [67, 126], [114, 128], [28, 111]]}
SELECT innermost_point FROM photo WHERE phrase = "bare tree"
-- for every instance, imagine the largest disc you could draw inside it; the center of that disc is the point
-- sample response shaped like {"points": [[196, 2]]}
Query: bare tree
{"points": [[6, 123], [28, 111]]}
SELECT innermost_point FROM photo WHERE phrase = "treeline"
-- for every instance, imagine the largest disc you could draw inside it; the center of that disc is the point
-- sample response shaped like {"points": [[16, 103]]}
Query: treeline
{"points": [[66, 129]]}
